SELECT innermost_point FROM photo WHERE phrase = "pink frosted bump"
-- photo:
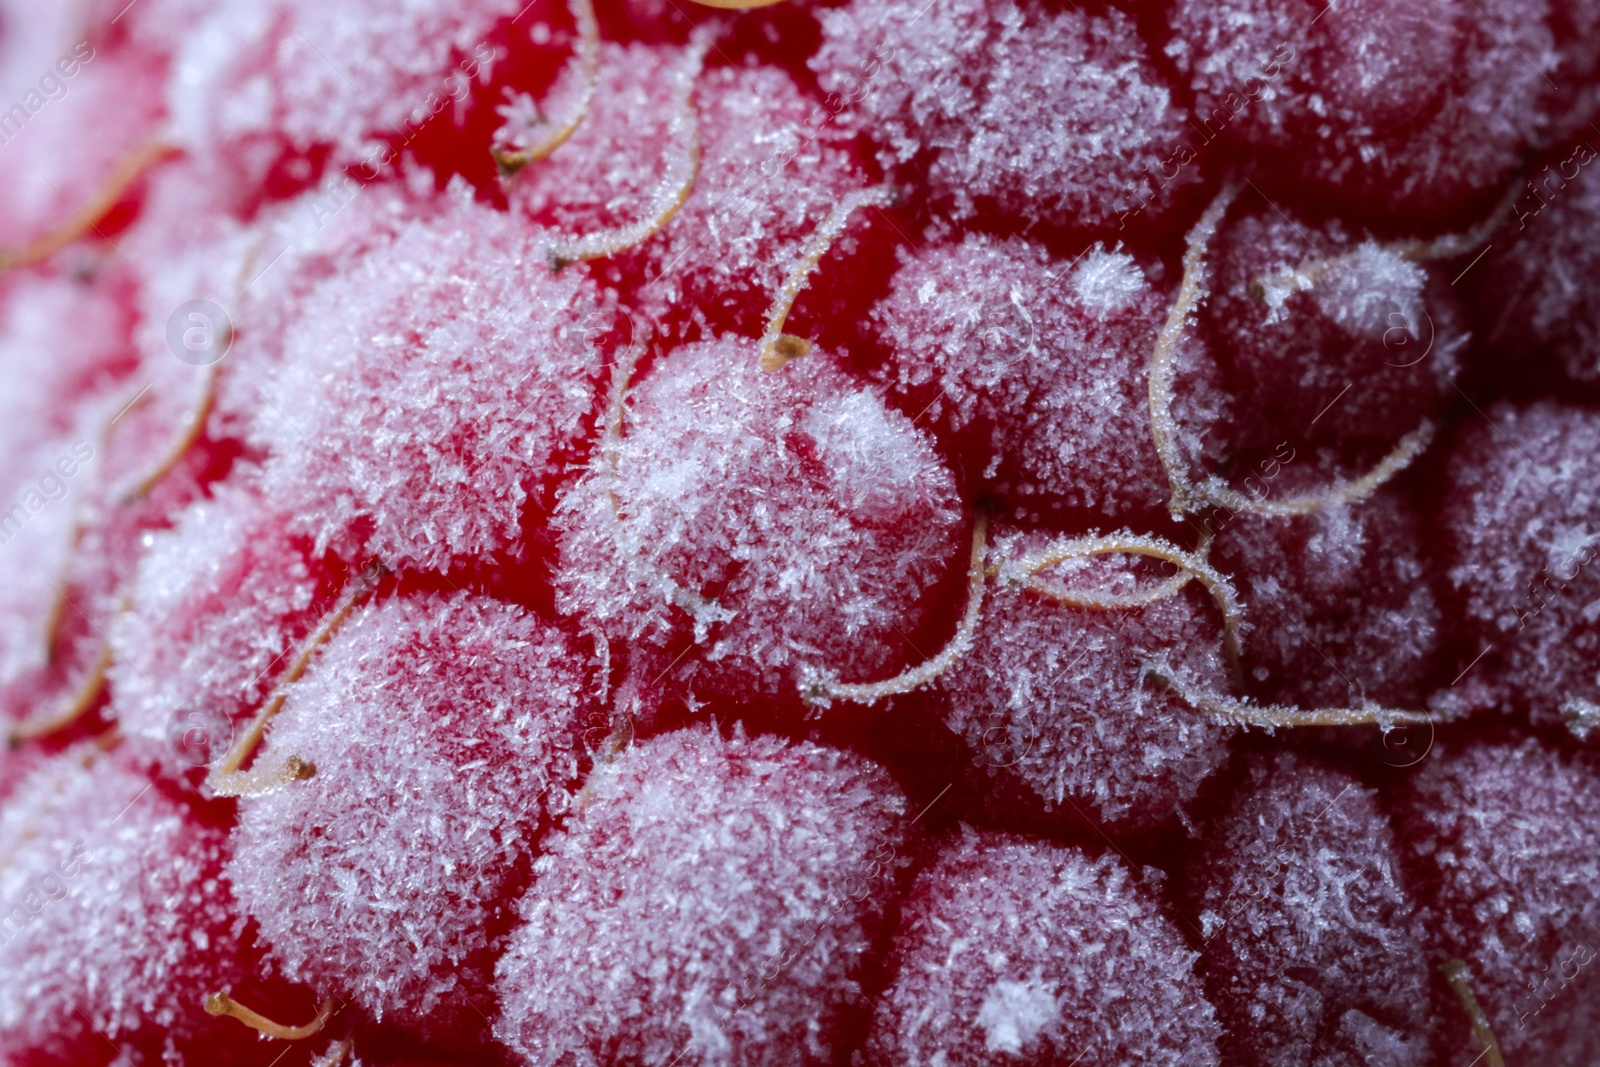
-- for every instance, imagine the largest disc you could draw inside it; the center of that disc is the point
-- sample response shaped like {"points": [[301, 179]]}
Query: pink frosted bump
{"points": [[215, 613], [1501, 840], [1520, 540], [259, 89], [1406, 112], [444, 732], [1344, 599], [1033, 371], [772, 521], [1057, 695], [711, 900], [117, 920], [955, 93], [428, 391], [1314, 950], [1021, 952]]}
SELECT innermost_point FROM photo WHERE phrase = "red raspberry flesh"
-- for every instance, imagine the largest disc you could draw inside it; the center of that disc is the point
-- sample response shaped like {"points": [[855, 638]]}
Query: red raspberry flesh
{"points": [[687, 532]]}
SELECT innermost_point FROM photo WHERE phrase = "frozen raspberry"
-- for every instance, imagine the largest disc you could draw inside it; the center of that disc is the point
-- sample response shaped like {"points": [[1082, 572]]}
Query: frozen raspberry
{"points": [[1032, 371], [508, 499], [989, 965], [772, 522], [427, 394], [710, 901], [1314, 952], [1502, 841], [1519, 525], [186, 245], [1056, 695], [1536, 291], [287, 87], [1399, 112], [1343, 600], [1327, 340], [118, 921], [443, 733], [952, 95]]}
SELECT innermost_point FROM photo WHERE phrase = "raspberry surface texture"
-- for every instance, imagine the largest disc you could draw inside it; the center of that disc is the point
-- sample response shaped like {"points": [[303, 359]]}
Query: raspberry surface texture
{"points": [[799, 533]]}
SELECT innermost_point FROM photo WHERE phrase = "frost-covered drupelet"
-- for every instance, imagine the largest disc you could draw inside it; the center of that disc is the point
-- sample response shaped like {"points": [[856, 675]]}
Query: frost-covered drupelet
{"points": [[280, 89], [86, 440], [79, 117], [706, 183], [1537, 287], [428, 392], [770, 175], [1396, 110], [214, 615], [118, 922], [1313, 949], [53, 374], [1057, 694], [775, 520], [444, 732], [1344, 599], [632, 149], [708, 904], [1502, 843], [1021, 952], [1521, 521], [189, 245], [1328, 340], [1033, 372], [956, 94]]}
